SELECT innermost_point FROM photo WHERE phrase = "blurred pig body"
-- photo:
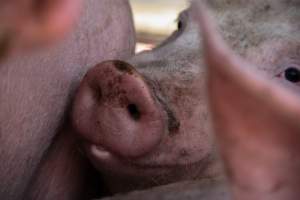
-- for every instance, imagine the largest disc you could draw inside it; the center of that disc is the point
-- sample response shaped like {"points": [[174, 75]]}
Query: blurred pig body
{"points": [[35, 91], [26, 23], [171, 82]]}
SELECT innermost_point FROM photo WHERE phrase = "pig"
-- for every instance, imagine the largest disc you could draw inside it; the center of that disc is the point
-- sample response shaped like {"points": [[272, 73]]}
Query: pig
{"points": [[146, 121], [26, 24], [38, 158]]}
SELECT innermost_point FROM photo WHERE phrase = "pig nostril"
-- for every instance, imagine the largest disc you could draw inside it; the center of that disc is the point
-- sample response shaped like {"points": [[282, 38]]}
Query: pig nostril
{"points": [[97, 93], [134, 111]]}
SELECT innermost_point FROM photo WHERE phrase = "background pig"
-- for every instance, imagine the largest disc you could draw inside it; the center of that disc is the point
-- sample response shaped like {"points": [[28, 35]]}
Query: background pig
{"points": [[148, 119], [35, 93]]}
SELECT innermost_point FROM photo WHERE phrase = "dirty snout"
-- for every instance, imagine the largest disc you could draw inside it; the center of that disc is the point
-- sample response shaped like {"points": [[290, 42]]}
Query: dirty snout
{"points": [[116, 111]]}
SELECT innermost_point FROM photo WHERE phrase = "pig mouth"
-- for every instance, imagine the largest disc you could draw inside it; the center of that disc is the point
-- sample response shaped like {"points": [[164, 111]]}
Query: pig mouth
{"points": [[105, 160]]}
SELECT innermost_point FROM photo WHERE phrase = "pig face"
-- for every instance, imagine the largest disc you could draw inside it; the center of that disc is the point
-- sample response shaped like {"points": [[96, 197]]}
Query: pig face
{"points": [[36, 90], [148, 119]]}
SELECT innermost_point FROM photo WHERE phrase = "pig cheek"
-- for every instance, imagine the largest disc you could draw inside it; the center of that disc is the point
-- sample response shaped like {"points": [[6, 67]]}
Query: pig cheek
{"points": [[192, 141], [195, 135], [195, 140]]}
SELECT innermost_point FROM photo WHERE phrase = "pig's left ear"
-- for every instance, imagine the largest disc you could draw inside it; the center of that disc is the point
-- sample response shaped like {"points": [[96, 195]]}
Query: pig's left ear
{"points": [[256, 122]]}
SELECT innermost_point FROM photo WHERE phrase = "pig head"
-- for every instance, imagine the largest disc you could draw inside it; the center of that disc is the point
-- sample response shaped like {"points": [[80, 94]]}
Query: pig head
{"points": [[145, 121], [36, 89], [148, 118]]}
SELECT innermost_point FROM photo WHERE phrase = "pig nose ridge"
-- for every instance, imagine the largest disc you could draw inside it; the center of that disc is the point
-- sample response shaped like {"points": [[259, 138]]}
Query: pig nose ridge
{"points": [[122, 66], [115, 109]]}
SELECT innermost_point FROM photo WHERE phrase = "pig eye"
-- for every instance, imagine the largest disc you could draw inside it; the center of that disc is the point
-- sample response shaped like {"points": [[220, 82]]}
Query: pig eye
{"points": [[179, 25], [292, 74], [182, 21]]}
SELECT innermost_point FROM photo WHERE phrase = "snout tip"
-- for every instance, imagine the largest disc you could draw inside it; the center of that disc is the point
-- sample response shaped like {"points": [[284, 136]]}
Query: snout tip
{"points": [[114, 108]]}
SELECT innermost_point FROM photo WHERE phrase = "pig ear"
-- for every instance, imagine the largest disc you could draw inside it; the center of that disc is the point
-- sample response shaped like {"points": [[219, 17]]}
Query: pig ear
{"points": [[256, 122]]}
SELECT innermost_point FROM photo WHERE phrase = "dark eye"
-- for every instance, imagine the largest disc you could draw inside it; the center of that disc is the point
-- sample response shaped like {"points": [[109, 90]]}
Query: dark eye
{"points": [[179, 25], [292, 74]]}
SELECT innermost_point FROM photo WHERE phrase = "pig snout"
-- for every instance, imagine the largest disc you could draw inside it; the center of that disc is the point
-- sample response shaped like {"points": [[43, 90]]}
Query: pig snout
{"points": [[115, 110]]}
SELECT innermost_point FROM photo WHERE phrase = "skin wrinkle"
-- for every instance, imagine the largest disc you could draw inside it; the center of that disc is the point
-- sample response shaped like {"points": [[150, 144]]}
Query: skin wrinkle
{"points": [[40, 164], [173, 123]]}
